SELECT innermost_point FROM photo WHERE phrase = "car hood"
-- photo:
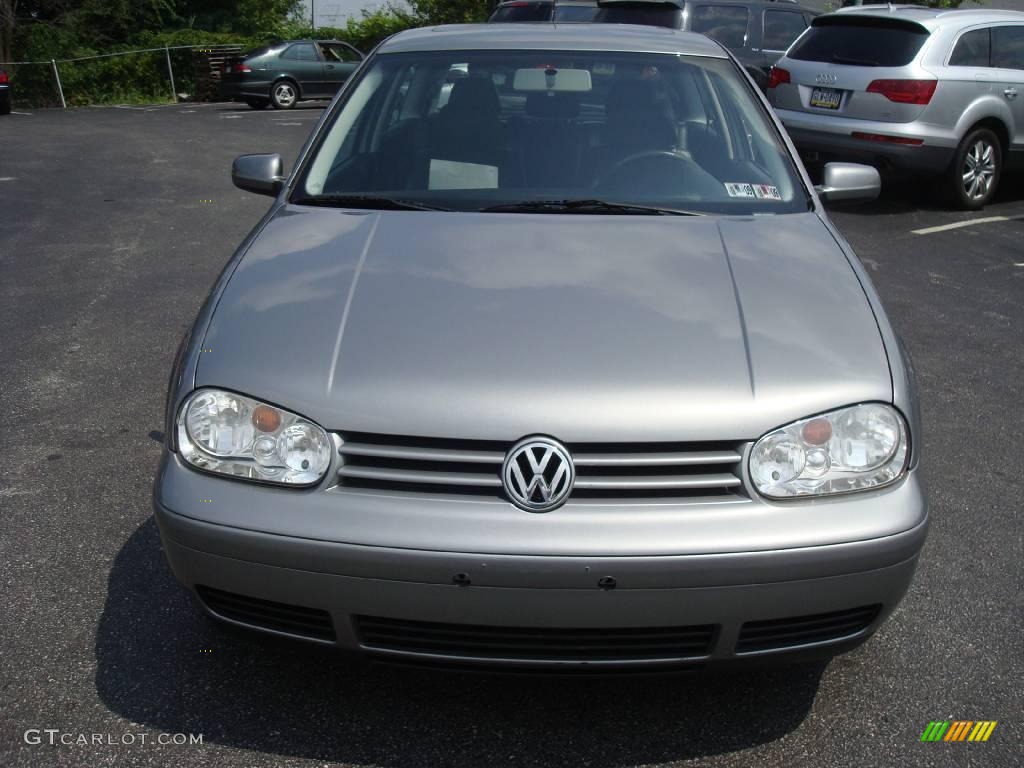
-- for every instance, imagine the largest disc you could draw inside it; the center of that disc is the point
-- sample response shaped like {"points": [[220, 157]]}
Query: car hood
{"points": [[587, 328]]}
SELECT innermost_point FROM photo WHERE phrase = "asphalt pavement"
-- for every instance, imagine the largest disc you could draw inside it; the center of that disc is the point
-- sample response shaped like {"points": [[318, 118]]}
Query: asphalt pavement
{"points": [[113, 225]]}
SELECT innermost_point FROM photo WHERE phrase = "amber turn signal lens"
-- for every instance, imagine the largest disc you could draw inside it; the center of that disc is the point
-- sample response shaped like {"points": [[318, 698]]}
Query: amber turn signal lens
{"points": [[265, 418], [817, 431]]}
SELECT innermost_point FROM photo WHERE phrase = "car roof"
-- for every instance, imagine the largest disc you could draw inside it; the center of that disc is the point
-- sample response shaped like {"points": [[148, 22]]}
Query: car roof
{"points": [[930, 18], [547, 36]]}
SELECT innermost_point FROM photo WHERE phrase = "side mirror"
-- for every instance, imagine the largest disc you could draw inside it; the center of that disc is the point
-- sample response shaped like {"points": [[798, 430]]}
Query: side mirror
{"points": [[262, 174], [848, 182]]}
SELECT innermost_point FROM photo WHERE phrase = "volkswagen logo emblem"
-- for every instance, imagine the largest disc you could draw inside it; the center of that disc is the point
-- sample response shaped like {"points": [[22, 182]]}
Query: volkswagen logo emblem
{"points": [[826, 78], [538, 474]]}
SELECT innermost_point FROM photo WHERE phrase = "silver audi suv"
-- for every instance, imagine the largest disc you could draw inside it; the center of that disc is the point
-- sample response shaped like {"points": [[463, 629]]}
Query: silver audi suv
{"points": [[929, 91], [546, 354]]}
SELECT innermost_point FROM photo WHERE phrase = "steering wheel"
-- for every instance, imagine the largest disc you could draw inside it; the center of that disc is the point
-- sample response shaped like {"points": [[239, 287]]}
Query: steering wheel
{"points": [[666, 154]]}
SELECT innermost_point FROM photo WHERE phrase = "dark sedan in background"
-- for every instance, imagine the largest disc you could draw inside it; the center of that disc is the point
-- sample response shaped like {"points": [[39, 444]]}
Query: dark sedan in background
{"points": [[280, 75]]}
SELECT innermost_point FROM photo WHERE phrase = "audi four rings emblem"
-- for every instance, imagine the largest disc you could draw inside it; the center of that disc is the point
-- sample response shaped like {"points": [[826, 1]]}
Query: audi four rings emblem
{"points": [[538, 474], [826, 78]]}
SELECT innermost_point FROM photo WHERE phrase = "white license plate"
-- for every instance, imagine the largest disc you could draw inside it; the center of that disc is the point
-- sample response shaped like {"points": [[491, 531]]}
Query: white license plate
{"points": [[826, 98]]}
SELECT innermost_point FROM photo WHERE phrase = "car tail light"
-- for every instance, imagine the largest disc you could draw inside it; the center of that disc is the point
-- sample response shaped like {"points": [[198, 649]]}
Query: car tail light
{"points": [[777, 76], [881, 137], [905, 91], [3, 77], [240, 68]]}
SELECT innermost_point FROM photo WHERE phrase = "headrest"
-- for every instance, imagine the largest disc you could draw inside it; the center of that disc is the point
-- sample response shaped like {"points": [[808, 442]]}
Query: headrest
{"points": [[629, 96], [553, 106], [475, 95]]}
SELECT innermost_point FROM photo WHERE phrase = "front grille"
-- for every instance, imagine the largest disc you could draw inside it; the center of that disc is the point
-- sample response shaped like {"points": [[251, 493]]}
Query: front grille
{"points": [[802, 630], [265, 614], [534, 643], [603, 470]]}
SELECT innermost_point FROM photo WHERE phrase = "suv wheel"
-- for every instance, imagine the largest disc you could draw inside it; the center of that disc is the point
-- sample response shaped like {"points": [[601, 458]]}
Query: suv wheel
{"points": [[5, 104], [976, 167], [284, 94]]}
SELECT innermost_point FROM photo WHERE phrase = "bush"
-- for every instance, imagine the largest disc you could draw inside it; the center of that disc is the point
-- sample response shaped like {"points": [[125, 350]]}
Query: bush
{"points": [[132, 78], [142, 77]]}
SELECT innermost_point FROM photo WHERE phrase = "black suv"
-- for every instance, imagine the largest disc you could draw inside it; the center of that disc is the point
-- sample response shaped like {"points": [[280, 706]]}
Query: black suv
{"points": [[544, 10], [757, 32]]}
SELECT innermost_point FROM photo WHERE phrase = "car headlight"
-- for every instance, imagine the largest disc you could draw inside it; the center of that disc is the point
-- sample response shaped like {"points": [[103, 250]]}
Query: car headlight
{"points": [[235, 435], [851, 449]]}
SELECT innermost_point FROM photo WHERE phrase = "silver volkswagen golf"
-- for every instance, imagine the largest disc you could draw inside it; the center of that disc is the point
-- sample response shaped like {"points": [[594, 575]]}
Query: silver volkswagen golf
{"points": [[546, 355]]}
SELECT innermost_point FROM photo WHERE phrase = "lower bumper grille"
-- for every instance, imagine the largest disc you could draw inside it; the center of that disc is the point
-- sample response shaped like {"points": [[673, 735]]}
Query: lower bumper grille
{"points": [[534, 643], [265, 614], [803, 630], [603, 470]]}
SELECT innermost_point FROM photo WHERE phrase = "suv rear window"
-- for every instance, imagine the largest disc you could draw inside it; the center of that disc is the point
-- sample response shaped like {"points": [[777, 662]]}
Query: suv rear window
{"points": [[648, 14], [522, 12], [864, 41]]}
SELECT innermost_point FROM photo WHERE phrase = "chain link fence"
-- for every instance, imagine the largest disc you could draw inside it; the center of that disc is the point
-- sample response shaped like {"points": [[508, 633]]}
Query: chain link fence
{"points": [[150, 75]]}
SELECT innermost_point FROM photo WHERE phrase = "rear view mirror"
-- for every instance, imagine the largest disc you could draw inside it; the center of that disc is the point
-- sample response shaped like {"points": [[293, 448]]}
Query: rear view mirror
{"points": [[552, 80], [262, 174], [849, 182]]}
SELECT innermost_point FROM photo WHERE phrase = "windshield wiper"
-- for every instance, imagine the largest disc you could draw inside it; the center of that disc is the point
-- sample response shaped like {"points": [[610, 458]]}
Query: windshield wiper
{"points": [[585, 206], [371, 202]]}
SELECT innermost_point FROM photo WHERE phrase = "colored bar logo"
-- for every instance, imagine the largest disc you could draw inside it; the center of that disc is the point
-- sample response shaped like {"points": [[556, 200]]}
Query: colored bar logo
{"points": [[958, 730]]}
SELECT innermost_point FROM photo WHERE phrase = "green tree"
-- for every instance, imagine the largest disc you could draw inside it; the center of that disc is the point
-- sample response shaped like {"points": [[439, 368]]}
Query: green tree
{"points": [[8, 20], [243, 16], [451, 11]]}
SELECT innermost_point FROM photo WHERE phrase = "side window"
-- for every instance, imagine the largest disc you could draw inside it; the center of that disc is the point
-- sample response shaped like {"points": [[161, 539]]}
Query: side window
{"points": [[971, 50], [781, 28], [340, 52], [725, 23], [301, 52], [1008, 47]]}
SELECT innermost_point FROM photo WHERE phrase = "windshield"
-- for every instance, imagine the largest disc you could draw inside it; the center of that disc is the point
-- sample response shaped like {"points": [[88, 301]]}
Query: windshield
{"points": [[473, 130]]}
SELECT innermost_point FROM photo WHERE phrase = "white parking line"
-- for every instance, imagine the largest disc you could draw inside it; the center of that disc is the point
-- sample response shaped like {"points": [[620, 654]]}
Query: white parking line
{"points": [[7, 178], [960, 224]]}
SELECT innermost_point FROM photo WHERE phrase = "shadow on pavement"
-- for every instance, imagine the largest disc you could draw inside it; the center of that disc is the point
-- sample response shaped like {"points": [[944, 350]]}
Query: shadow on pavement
{"points": [[163, 665]]}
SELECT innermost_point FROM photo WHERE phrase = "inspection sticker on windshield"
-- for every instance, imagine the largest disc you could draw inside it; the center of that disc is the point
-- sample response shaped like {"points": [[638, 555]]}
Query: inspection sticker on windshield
{"points": [[739, 190], [767, 192]]}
